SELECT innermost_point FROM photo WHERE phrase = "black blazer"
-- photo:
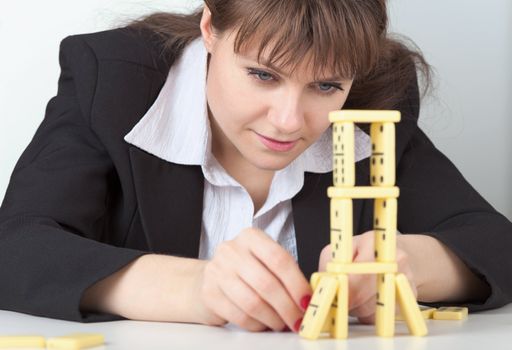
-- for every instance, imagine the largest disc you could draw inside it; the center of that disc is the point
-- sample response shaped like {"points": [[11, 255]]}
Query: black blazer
{"points": [[82, 203]]}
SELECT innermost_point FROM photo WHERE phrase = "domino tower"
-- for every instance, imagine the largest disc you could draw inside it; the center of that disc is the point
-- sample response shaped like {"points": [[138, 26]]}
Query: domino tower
{"points": [[328, 309]]}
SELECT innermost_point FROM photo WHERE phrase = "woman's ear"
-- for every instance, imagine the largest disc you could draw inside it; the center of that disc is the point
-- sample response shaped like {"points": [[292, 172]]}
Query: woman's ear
{"points": [[207, 31]]}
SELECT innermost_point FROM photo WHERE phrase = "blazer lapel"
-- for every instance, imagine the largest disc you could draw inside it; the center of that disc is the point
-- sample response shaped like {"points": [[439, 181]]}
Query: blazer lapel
{"points": [[311, 220], [170, 199]]}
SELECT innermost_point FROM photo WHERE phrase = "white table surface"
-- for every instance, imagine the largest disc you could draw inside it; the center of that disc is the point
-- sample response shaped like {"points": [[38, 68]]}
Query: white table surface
{"points": [[483, 331]]}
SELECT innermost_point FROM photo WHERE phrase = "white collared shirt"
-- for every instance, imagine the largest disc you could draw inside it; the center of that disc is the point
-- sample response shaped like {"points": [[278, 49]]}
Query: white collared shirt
{"points": [[176, 129]]}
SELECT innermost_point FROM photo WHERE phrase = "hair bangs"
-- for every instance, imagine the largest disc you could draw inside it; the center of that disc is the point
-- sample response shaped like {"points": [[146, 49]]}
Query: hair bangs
{"points": [[336, 39]]}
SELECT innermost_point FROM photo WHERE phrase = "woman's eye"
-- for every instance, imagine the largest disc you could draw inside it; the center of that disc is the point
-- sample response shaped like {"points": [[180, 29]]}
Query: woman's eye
{"points": [[329, 88], [261, 75], [264, 76], [325, 87]]}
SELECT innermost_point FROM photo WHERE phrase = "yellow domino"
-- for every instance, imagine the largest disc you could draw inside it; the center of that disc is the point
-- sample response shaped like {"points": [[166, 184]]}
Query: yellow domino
{"points": [[409, 307], [22, 341], [364, 116], [450, 313], [314, 279], [343, 143], [318, 309], [362, 268], [385, 308], [331, 316], [427, 314], [341, 230], [316, 276], [340, 328], [337, 319], [362, 192], [382, 161], [385, 213], [330, 319], [75, 341]]}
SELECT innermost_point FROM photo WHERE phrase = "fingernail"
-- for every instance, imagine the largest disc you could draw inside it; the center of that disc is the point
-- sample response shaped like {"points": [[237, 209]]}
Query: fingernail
{"points": [[304, 302], [286, 329], [296, 326]]}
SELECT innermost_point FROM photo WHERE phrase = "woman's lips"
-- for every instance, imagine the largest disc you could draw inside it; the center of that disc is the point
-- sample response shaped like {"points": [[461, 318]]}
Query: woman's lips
{"points": [[276, 145]]}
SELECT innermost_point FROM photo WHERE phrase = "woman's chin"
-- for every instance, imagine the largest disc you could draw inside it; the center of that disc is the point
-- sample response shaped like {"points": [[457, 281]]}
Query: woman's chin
{"points": [[272, 163]]}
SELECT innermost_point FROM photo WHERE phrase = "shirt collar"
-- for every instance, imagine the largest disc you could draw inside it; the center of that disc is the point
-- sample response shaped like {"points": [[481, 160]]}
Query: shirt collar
{"points": [[176, 126]]}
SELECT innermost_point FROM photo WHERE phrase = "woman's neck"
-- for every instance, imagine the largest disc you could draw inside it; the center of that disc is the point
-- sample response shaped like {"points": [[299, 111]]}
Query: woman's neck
{"points": [[255, 181]]}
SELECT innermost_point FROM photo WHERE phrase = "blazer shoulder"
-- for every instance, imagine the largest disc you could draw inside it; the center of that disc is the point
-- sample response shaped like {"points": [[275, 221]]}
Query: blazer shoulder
{"points": [[137, 46], [115, 75]]}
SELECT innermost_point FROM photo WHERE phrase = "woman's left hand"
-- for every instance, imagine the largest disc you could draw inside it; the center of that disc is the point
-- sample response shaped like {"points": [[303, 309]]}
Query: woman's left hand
{"points": [[363, 287]]}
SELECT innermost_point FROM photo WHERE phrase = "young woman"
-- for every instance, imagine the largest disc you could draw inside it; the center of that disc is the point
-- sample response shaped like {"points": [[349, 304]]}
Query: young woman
{"points": [[180, 173]]}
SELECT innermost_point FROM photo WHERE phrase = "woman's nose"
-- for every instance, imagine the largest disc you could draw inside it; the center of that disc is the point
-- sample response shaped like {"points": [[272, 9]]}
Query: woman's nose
{"points": [[287, 115]]}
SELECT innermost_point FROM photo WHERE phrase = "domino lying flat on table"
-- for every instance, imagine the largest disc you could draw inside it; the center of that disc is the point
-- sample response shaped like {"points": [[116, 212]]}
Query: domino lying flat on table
{"points": [[75, 341]]}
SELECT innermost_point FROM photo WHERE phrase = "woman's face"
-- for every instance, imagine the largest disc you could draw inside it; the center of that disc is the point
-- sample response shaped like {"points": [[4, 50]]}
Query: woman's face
{"points": [[262, 116]]}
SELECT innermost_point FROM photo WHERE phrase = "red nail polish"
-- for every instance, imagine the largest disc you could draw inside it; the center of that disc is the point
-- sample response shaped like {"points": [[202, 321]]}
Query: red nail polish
{"points": [[304, 302], [296, 326], [286, 329]]}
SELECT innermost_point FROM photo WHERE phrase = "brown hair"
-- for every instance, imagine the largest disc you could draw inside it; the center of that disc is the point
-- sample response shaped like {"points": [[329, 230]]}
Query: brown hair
{"points": [[348, 37]]}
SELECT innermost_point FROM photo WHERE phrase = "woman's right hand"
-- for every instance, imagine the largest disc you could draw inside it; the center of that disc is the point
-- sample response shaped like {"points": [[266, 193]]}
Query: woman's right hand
{"points": [[254, 283]]}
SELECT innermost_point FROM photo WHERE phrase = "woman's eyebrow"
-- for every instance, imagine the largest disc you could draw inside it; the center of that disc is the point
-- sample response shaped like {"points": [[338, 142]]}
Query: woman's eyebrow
{"points": [[264, 62]]}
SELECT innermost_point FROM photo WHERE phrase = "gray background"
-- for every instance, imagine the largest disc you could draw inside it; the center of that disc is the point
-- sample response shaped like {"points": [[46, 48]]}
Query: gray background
{"points": [[468, 42]]}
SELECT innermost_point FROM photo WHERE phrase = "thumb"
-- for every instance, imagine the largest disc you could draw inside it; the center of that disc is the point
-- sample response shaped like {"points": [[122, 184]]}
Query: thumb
{"points": [[325, 257], [363, 247]]}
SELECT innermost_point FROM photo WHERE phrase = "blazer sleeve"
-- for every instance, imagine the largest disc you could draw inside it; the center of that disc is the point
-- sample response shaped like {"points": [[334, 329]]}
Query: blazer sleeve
{"points": [[436, 200], [53, 211]]}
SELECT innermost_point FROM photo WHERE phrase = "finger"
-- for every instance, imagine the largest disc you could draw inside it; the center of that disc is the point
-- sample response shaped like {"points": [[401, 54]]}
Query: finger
{"points": [[226, 309], [271, 291], [367, 320], [236, 263], [361, 289], [325, 257], [251, 302], [363, 247], [366, 309], [281, 264]]}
